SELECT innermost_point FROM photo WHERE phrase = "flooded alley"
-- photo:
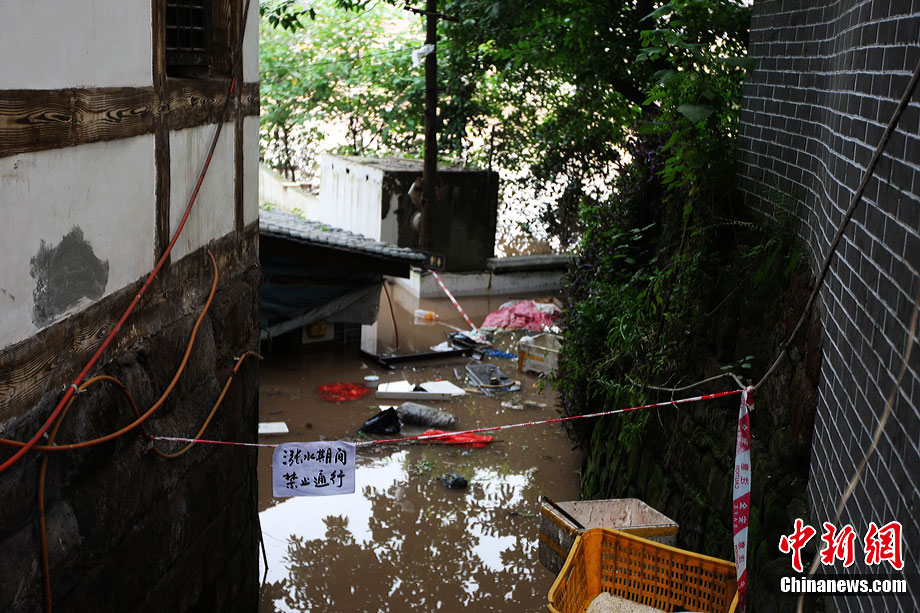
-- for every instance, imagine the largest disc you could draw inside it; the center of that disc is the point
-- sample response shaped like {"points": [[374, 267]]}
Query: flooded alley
{"points": [[403, 540]]}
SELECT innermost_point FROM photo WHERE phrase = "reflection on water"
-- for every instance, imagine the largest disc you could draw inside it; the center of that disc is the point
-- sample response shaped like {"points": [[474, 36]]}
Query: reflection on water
{"points": [[404, 541]]}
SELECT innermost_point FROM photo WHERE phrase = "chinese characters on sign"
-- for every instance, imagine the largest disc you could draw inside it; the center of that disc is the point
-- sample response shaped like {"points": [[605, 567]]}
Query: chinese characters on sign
{"points": [[741, 498], [313, 469], [880, 544]]}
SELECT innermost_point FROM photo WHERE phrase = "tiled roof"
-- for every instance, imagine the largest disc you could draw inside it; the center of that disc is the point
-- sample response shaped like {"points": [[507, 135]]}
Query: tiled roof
{"points": [[282, 224]]}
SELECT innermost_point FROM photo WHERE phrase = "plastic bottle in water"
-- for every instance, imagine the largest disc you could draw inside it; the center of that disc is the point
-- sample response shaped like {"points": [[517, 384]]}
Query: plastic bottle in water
{"points": [[425, 318]]}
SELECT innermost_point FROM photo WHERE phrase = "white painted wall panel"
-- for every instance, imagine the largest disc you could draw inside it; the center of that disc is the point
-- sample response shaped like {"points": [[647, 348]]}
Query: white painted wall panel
{"points": [[250, 170], [212, 215], [105, 189], [350, 196], [251, 44], [293, 199], [51, 44]]}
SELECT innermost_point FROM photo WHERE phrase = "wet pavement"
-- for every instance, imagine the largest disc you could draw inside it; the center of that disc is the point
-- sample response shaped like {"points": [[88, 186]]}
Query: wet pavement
{"points": [[404, 541]]}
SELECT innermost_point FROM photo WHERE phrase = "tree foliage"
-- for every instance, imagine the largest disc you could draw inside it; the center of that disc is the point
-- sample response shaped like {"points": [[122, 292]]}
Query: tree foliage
{"points": [[340, 70], [568, 83], [554, 92]]}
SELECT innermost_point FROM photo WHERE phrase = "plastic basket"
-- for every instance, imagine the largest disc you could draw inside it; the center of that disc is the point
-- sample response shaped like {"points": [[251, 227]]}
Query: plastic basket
{"points": [[604, 560]]}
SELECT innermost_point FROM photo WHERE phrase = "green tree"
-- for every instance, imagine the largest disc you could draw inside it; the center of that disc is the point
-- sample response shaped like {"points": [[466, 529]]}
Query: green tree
{"points": [[557, 88], [340, 66]]}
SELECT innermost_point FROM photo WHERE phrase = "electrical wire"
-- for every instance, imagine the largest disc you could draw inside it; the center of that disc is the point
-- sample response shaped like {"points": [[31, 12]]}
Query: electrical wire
{"points": [[43, 534], [883, 420], [43, 538], [156, 405], [68, 394], [392, 314], [213, 411], [857, 197], [139, 421]]}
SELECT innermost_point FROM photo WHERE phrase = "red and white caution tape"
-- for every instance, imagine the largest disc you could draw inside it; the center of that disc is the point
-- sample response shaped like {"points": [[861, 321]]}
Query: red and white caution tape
{"points": [[454, 301], [425, 437], [741, 500]]}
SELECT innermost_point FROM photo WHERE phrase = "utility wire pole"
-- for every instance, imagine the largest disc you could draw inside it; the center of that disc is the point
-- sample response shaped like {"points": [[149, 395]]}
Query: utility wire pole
{"points": [[430, 167]]}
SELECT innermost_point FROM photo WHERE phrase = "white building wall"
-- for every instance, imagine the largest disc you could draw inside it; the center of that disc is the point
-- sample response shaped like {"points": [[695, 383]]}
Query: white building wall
{"points": [[213, 214], [251, 44], [250, 170], [53, 44], [350, 196], [104, 189]]}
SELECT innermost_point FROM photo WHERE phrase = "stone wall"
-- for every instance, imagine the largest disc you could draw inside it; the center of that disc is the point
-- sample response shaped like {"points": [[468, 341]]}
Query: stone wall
{"points": [[828, 77], [683, 463], [126, 529]]}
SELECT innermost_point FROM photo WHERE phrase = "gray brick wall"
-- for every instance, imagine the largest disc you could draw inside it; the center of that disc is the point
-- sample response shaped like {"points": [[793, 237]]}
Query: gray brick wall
{"points": [[828, 77]]}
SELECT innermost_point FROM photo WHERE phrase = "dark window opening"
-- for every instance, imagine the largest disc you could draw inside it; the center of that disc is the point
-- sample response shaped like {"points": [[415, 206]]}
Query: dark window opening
{"points": [[200, 37], [188, 37]]}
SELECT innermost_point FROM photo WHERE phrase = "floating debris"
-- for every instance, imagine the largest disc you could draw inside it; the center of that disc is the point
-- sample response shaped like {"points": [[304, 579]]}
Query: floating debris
{"points": [[422, 415], [454, 481], [273, 427], [384, 422], [430, 390]]}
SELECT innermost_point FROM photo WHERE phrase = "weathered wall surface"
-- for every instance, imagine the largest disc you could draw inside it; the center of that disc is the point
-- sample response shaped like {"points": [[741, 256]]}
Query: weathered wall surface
{"points": [[74, 43], [827, 80], [99, 151], [127, 530], [350, 197], [371, 197], [41, 206]]}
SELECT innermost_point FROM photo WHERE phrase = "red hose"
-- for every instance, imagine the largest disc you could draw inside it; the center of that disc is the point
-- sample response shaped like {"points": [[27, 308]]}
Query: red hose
{"points": [[156, 269]]}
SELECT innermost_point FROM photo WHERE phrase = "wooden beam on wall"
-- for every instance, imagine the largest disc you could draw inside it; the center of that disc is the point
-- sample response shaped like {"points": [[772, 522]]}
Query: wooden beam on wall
{"points": [[38, 120], [160, 131], [33, 120], [238, 125]]}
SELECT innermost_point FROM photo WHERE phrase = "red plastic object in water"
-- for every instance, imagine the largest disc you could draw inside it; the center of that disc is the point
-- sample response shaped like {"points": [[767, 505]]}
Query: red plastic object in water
{"points": [[460, 438], [340, 392], [520, 315]]}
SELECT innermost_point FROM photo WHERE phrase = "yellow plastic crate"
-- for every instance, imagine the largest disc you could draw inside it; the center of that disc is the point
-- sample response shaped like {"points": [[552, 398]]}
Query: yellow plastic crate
{"points": [[604, 560]]}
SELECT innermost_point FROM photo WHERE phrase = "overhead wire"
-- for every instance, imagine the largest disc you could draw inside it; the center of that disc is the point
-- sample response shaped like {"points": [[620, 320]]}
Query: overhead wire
{"points": [[876, 437], [855, 200], [822, 273], [392, 314]]}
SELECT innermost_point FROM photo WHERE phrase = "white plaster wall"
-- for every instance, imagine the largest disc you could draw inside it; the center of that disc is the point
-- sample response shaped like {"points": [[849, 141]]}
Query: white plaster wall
{"points": [[106, 189], [350, 196], [213, 213], [251, 44], [292, 199], [250, 170], [51, 44]]}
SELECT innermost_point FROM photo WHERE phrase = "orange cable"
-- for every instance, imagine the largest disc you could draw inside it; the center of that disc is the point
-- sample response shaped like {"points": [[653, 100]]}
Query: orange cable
{"points": [[207, 421], [46, 571], [68, 394], [141, 419]]}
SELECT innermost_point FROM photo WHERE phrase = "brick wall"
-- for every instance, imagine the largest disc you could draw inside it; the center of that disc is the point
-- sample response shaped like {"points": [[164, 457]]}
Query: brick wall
{"points": [[828, 77]]}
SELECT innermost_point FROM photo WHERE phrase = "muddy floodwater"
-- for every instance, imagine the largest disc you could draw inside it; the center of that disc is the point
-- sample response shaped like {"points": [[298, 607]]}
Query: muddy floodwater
{"points": [[404, 541]]}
